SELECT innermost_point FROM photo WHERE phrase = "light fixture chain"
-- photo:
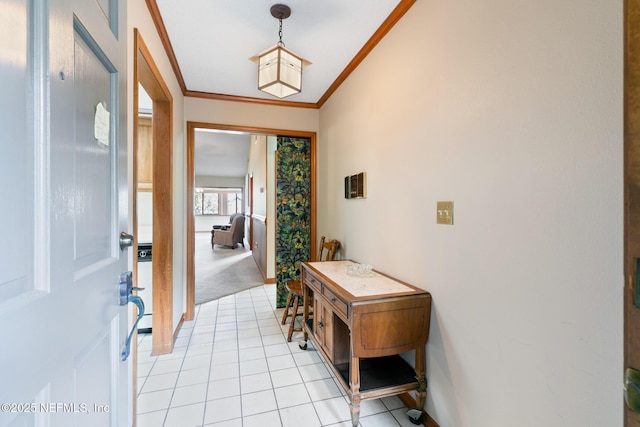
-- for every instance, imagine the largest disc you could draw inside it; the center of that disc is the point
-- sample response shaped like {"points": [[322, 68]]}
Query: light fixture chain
{"points": [[281, 43]]}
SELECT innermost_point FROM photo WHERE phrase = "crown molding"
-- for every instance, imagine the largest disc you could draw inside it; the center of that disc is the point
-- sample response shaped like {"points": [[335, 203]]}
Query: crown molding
{"points": [[234, 98], [382, 31], [164, 38]]}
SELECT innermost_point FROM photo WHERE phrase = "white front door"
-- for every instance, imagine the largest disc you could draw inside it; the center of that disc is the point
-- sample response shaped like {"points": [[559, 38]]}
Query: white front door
{"points": [[63, 192]]}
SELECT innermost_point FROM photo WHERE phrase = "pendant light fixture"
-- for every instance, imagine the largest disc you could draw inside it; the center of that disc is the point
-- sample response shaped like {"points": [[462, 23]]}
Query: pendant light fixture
{"points": [[279, 69]]}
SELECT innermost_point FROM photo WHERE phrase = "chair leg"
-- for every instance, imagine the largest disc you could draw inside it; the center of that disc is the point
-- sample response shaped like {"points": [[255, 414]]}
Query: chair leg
{"points": [[293, 318], [286, 309]]}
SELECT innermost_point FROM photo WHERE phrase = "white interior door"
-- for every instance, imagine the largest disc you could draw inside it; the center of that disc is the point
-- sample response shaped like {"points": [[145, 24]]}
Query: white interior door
{"points": [[64, 204]]}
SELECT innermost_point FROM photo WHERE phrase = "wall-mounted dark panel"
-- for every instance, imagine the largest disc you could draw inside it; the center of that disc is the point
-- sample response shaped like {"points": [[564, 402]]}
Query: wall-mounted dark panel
{"points": [[355, 186]]}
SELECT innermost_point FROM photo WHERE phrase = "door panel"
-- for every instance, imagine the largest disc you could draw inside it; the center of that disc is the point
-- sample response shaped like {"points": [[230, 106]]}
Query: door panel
{"points": [[61, 323], [95, 378], [105, 6], [14, 152], [94, 210]]}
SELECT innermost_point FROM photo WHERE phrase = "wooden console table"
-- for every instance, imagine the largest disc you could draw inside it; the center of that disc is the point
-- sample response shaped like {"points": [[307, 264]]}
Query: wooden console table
{"points": [[361, 325]]}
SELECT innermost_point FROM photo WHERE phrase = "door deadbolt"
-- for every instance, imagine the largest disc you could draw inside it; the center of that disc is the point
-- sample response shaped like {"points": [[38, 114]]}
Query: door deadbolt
{"points": [[126, 240]]}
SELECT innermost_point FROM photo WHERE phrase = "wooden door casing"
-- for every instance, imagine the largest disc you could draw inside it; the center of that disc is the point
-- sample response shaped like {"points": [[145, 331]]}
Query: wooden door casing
{"points": [[632, 192]]}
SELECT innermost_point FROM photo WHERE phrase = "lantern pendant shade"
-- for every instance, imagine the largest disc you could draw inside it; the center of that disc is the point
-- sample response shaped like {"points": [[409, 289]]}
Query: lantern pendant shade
{"points": [[279, 69], [280, 72]]}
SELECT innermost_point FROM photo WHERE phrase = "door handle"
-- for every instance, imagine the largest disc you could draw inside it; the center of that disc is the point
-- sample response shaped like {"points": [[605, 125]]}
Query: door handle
{"points": [[126, 240], [126, 296], [126, 287]]}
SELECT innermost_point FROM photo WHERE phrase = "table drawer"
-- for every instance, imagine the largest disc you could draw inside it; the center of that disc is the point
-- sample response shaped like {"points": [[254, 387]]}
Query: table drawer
{"points": [[335, 301], [312, 282]]}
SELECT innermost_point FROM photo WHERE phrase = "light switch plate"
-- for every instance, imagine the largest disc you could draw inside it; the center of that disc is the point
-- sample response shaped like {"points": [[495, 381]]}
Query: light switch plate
{"points": [[444, 213]]}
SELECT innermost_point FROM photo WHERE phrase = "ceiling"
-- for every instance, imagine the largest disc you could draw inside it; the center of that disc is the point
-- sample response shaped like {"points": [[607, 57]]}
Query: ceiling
{"points": [[220, 153], [209, 43]]}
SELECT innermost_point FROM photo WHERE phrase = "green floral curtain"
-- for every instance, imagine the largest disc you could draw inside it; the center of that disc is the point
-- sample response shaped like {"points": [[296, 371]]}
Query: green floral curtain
{"points": [[293, 211]]}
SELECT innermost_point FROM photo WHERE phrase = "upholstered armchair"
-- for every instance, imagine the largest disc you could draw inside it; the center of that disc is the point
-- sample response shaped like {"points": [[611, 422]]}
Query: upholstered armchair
{"points": [[231, 236]]}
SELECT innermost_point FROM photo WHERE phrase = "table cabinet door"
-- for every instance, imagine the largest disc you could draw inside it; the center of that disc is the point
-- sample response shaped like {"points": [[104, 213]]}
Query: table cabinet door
{"points": [[323, 324]]}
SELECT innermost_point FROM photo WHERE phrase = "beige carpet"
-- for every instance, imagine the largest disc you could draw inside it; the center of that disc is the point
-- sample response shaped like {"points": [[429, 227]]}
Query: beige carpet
{"points": [[223, 271]]}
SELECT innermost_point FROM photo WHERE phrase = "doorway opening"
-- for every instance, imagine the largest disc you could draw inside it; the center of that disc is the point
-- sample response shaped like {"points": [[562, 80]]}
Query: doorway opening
{"points": [[257, 222], [223, 258]]}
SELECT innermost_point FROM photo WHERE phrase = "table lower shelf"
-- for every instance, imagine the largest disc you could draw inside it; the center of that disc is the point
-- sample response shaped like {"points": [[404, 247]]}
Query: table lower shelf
{"points": [[380, 372]]}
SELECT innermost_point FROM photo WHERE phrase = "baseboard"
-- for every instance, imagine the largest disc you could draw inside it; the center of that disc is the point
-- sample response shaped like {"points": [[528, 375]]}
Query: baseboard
{"points": [[270, 281], [410, 402]]}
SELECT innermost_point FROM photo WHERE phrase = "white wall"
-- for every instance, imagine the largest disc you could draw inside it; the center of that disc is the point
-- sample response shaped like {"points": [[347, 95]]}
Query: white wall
{"points": [[272, 147], [219, 181], [513, 110], [204, 223], [254, 115], [258, 169], [138, 17], [145, 216]]}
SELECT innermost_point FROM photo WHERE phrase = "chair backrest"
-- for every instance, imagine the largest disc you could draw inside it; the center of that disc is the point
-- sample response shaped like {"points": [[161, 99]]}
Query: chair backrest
{"points": [[237, 228], [331, 246], [233, 215]]}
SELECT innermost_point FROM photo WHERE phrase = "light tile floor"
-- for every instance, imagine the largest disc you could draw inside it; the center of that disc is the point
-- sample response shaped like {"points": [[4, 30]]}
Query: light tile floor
{"points": [[232, 366]]}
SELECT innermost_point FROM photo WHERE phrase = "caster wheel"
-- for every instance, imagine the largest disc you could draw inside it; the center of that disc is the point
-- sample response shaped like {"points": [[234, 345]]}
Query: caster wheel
{"points": [[302, 345], [415, 416]]}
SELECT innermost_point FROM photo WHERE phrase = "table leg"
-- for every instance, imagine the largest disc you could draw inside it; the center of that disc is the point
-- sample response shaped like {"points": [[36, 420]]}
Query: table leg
{"points": [[354, 380], [354, 406], [422, 378]]}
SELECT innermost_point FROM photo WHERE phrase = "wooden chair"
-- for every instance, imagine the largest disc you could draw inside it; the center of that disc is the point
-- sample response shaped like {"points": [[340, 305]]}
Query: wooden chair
{"points": [[295, 287]]}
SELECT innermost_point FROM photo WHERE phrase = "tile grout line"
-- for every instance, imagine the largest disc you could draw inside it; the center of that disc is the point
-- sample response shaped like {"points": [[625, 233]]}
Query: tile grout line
{"points": [[239, 362], [213, 339], [273, 388]]}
